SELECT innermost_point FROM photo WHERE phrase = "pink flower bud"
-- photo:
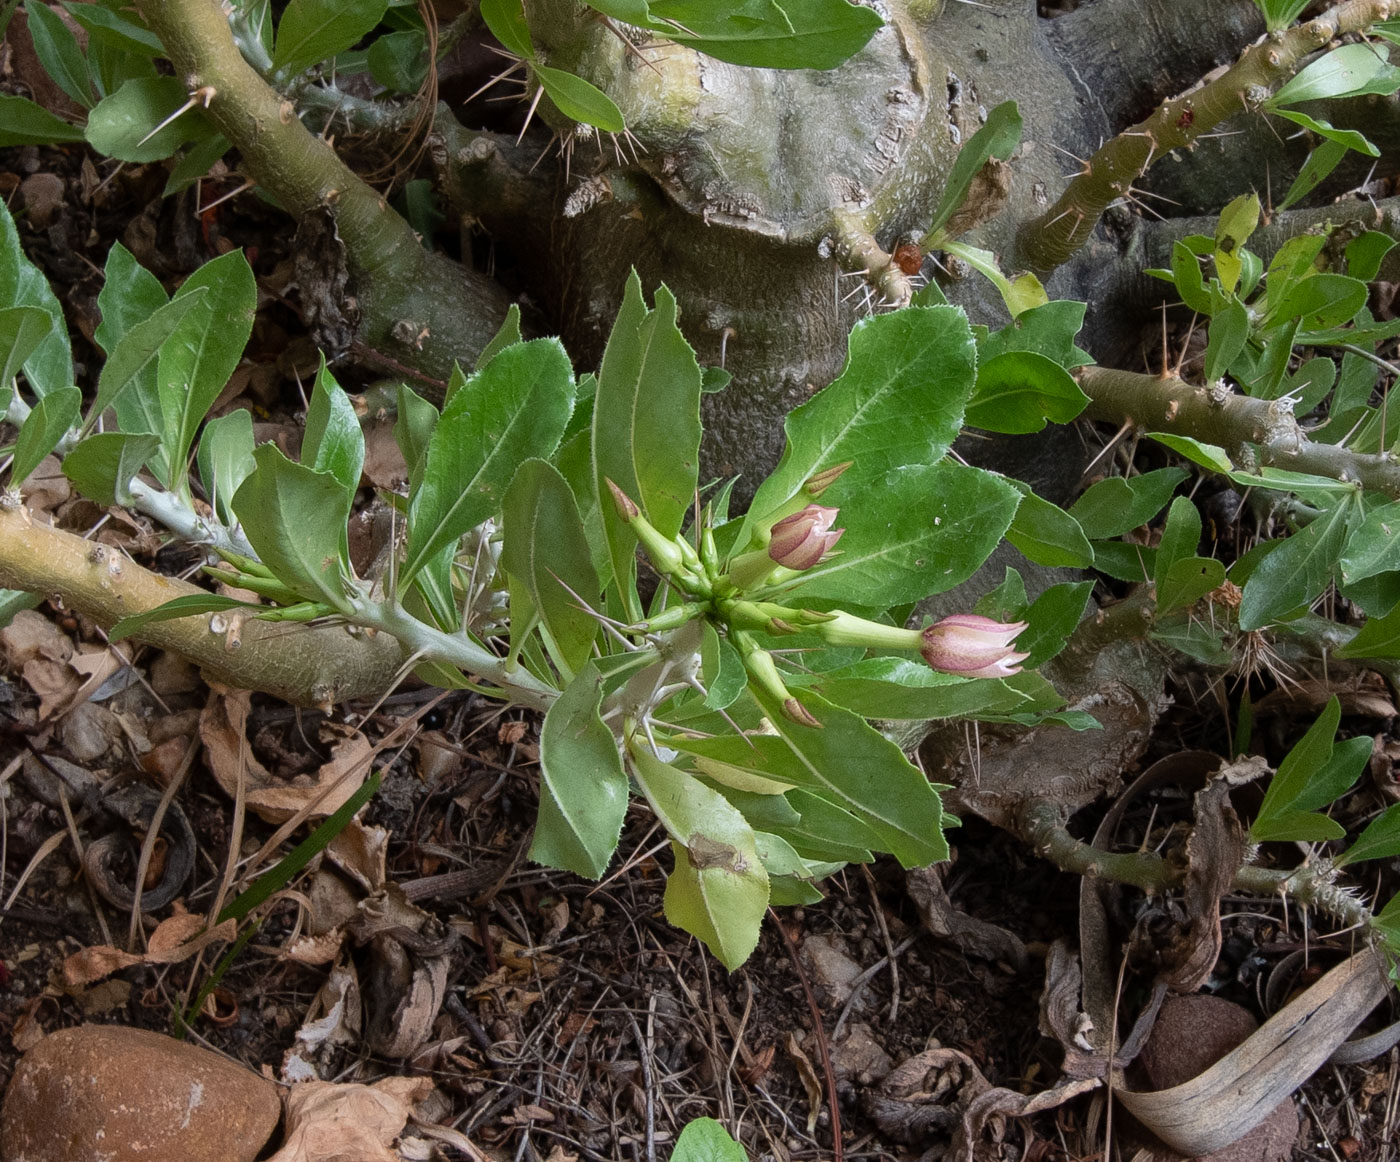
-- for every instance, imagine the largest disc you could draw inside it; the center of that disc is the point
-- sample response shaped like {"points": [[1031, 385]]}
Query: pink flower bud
{"points": [[973, 647], [801, 540]]}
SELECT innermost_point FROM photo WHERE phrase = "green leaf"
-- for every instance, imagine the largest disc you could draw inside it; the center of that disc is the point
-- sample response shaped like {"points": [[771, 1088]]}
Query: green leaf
{"points": [[1208, 456], [1310, 776], [333, 441], [513, 409], [1187, 581], [721, 669], [196, 162], [921, 530], [107, 27], [1347, 139], [226, 460], [646, 424], [1365, 254], [50, 420], [22, 284], [1046, 534], [58, 51], [1279, 14], [398, 60], [1294, 575], [1374, 547], [129, 294], [798, 34], [1387, 923], [1229, 332], [718, 890], [705, 1140], [413, 429], [1018, 391], [191, 605], [899, 400], [583, 788], [1186, 271], [146, 120], [197, 360], [1324, 300], [1047, 330], [579, 100], [103, 465], [1116, 505], [851, 764], [1380, 840], [997, 138], [904, 689], [508, 335], [22, 329], [295, 517], [24, 123], [546, 549], [135, 355], [1346, 71], [506, 20], [1179, 538], [1053, 616], [315, 30]]}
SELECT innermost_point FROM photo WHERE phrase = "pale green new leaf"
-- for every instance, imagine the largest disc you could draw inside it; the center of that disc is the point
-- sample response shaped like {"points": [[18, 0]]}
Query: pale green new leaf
{"points": [[718, 890]]}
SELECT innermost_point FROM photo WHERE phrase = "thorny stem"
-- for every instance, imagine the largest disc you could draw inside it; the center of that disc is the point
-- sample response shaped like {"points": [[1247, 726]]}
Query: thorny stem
{"points": [[1309, 886], [1052, 238], [1253, 431]]}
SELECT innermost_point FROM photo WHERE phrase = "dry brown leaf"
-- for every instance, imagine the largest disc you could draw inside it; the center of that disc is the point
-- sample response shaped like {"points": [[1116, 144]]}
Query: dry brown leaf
{"points": [[329, 1122], [54, 682], [32, 635], [359, 851], [811, 1083], [223, 730], [1214, 853], [320, 949], [175, 939]]}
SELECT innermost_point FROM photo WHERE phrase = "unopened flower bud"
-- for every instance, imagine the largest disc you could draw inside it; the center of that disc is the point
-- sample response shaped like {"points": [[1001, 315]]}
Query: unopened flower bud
{"points": [[973, 647], [626, 507], [794, 711], [801, 540], [819, 482]]}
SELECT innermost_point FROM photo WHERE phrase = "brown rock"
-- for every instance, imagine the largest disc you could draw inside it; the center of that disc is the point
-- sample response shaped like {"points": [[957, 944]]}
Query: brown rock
{"points": [[1192, 1033], [106, 1093]]}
